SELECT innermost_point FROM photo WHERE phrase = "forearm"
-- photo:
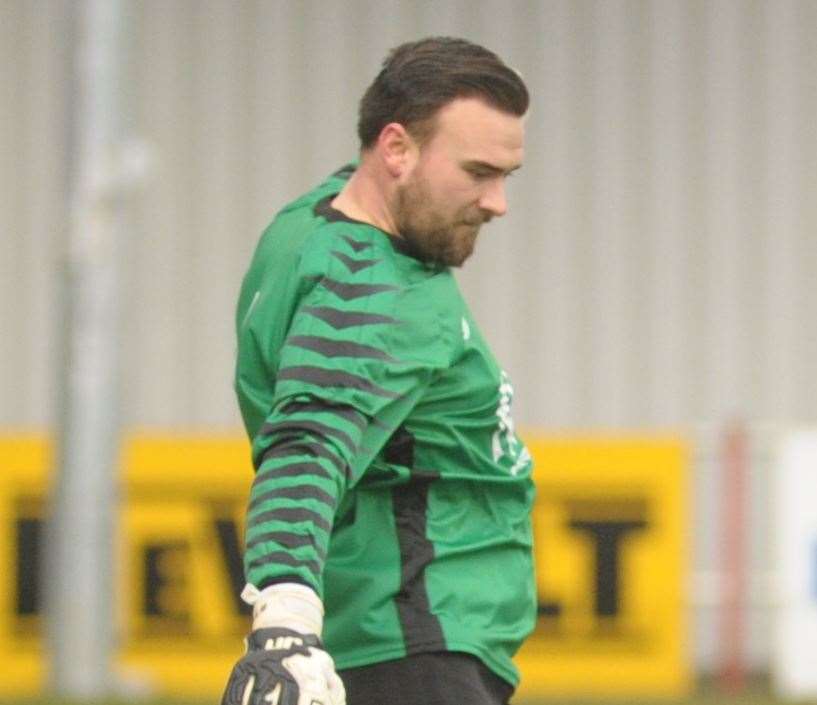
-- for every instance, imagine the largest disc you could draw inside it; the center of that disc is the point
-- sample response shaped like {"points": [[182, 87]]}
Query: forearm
{"points": [[302, 455]]}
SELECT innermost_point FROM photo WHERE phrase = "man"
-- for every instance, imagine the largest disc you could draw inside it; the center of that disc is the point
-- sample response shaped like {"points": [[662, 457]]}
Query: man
{"points": [[390, 487]]}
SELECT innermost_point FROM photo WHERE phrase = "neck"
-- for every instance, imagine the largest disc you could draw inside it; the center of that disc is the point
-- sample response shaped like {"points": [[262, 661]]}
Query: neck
{"points": [[364, 198]]}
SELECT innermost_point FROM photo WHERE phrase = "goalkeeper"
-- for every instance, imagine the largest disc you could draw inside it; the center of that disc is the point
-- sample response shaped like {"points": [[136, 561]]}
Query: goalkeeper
{"points": [[388, 542]]}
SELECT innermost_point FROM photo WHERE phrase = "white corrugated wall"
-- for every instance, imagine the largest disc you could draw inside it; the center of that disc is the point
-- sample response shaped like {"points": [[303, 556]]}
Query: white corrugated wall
{"points": [[657, 265], [656, 269]]}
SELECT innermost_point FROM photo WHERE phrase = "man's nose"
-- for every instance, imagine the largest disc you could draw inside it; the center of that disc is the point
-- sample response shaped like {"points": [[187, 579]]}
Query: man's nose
{"points": [[493, 198]]}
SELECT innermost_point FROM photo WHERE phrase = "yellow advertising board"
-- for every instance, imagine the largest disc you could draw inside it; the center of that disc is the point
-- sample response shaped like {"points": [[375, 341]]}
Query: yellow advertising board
{"points": [[180, 622], [610, 529], [610, 525]]}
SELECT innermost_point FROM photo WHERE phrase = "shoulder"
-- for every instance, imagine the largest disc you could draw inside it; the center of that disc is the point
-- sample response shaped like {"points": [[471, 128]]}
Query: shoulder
{"points": [[332, 184], [355, 269]]}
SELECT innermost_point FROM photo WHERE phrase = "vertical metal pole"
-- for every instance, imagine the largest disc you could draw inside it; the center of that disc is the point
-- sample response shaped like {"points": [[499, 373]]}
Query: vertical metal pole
{"points": [[81, 529]]}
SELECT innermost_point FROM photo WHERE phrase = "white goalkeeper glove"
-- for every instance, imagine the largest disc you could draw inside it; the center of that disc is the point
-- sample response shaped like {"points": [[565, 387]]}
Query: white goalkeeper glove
{"points": [[285, 662]]}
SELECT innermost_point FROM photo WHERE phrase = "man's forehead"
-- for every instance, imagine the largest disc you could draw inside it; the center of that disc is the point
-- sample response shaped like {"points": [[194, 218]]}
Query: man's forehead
{"points": [[475, 111], [473, 125]]}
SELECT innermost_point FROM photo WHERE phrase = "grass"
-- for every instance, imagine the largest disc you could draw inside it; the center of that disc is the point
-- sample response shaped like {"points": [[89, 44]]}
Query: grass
{"points": [[758, 693], [752, 697], [708, 693]]}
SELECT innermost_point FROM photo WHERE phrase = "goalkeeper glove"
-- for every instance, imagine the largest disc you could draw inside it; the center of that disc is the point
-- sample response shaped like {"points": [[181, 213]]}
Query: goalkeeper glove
{"points": [[285, 663]]}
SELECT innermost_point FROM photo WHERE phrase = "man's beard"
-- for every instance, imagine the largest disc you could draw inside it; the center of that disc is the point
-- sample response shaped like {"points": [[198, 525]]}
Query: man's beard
{"points": [[432, 236]]}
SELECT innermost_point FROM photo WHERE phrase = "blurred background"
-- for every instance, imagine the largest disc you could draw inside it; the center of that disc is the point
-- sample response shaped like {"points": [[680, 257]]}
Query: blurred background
{"points": [[654, 277]]}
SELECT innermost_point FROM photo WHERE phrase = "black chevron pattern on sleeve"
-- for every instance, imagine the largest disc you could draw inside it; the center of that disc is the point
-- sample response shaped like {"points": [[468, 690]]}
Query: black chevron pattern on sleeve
{"points": [[335, 372]]}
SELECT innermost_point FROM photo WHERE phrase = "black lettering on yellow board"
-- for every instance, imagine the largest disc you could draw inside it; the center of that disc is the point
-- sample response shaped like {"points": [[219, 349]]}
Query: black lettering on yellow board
{"points": [[164, 568], [166, 582], [608, 524], [28, 543], [607, 536], [231, 554], [26, 529]]}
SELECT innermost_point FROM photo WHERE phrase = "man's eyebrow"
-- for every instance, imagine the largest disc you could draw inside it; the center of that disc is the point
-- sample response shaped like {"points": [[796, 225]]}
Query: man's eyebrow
{"points": [[486, 166]]}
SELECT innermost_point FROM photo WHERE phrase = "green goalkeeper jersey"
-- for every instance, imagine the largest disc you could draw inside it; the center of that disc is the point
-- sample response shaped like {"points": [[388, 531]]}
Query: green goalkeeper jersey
{"points": [[389, 477]]}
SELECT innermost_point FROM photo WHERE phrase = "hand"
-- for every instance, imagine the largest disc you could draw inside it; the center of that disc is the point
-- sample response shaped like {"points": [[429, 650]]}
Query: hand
{"points": [[284, 667], [285, 662]]}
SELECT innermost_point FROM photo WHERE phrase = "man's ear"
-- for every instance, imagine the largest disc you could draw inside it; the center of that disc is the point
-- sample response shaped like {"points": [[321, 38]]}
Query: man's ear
{"points": [[398, 151]]}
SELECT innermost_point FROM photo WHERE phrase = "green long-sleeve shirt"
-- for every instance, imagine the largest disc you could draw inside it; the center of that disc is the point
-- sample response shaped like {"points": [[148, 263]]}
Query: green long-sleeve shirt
{"points": [[388, 474]]}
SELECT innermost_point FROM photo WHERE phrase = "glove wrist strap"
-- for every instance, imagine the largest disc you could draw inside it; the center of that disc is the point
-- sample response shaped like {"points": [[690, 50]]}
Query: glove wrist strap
{"points": [[285, 605], [284, 641]]}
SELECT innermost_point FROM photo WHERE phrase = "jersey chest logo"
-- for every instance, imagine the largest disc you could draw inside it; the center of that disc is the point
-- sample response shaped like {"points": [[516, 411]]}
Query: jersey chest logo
{"points": [[504, 442]]}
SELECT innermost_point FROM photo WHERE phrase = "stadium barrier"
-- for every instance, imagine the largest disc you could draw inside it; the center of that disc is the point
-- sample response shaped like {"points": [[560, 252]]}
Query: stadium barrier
{"points": [[611, 547]]}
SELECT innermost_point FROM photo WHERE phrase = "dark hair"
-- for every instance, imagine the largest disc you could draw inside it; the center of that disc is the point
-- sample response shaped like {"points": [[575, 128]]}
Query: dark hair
{"points": [[419, 78]]}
